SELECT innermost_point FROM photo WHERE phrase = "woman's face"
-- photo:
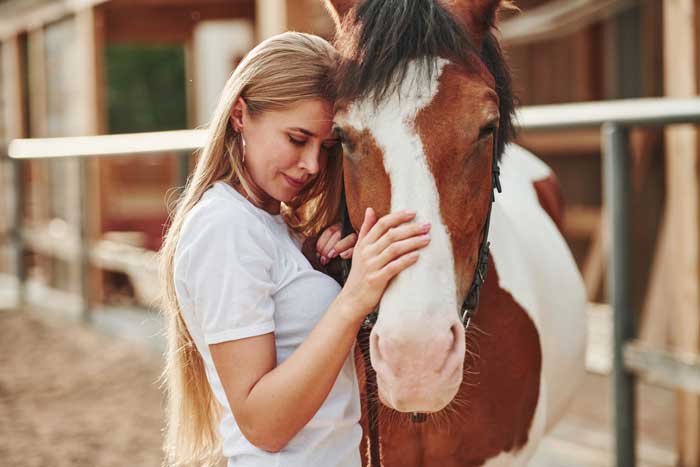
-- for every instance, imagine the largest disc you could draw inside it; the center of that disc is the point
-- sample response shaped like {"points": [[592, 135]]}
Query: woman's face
{"points": [[287, 149]]}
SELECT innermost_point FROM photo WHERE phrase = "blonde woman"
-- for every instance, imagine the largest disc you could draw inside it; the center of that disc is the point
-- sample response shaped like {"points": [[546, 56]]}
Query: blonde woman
{"points": [[259, 342]]}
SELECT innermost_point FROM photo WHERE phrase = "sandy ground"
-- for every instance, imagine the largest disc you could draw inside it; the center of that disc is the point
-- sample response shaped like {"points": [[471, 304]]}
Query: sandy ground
{"points": [[71, 396]]}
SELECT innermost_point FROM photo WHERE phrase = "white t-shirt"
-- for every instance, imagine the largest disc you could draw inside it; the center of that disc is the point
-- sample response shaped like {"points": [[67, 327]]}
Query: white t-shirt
{"points": [[239, 273]]}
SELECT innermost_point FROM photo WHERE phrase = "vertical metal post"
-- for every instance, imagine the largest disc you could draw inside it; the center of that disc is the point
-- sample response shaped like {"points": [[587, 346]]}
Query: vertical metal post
{"points": [[84, 255], [16, 232], [617, 200]]}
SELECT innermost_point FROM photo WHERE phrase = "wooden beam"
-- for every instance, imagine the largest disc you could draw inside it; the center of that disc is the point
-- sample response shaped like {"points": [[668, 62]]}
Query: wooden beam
{"points": [[271, 18], [594, 265], [680, 79], [674, 370], [562, 143], [16, 22], [13, 88], [37, 192], [654, 323], [90, 24], [175, 24], [558, 18]]}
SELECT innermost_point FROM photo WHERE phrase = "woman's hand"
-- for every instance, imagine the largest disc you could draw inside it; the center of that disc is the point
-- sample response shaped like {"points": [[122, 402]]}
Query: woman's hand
{"points": [[384, 248], [329, 244]]}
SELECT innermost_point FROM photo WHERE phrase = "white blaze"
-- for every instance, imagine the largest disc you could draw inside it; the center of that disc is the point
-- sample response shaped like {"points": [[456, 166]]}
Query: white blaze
{"points": [[427, 289]]}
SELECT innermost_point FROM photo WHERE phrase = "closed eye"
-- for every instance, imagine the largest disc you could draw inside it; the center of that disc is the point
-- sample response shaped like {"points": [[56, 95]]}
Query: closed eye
{"points": [[296, 142]]}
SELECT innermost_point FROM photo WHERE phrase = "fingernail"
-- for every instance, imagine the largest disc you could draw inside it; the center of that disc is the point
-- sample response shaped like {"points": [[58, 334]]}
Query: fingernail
{"points": [[324, 260], [426, 226], [345, 254], [425, 237], [332, 253]]}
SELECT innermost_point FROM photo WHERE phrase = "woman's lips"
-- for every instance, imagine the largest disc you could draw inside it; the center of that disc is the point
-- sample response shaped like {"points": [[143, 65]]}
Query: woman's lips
{"points": [[294, 182]]}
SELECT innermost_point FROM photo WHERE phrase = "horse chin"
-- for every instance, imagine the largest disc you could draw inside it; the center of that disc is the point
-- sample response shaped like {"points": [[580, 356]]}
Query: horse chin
{"points": [[427, 398]]}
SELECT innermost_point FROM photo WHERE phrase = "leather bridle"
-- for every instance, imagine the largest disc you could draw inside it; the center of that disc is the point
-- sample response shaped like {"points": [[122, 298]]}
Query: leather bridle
{"points": [[466, 313]]}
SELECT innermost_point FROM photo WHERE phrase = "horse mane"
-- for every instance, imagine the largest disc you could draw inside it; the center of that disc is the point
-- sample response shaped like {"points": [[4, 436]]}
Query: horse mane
{"points": [[383, 37]]}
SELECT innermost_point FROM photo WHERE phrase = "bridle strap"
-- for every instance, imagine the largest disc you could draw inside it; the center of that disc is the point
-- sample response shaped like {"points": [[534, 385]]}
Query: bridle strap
{"points": [[471, 302], [467, 310]]}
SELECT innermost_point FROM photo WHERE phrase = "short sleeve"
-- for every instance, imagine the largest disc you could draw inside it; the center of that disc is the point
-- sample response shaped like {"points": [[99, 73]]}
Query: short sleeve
{"points": [[228, 257]]}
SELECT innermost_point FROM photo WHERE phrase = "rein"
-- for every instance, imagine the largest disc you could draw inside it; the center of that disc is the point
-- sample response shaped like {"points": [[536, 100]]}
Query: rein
{"points": [[466, 313]]}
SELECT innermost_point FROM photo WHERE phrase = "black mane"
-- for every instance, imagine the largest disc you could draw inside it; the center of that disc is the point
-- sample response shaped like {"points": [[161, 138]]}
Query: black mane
{"points": [[383, 36]]}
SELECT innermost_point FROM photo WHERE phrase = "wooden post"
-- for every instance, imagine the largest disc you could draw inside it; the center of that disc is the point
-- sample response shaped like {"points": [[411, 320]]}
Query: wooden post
{"points": [[37, 191], [276, 16], [270, 18], [683, 302], [15, 121], [90, 33]]}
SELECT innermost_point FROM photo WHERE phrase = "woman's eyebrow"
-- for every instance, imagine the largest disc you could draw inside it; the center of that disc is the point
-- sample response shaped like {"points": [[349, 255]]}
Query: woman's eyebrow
{"points": [[302, 130]]}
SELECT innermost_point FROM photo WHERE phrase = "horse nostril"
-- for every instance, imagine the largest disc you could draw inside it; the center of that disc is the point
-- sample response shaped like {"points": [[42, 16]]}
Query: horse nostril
{"points": [[374, 345], [454, 350], [457, 334]]}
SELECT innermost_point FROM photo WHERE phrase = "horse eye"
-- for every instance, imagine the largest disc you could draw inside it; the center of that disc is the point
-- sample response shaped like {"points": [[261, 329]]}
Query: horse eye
{"points": [[348, 145], [487, 130]]}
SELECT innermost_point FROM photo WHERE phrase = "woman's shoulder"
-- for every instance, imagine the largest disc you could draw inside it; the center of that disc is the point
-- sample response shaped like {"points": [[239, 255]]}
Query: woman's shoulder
{"points": [[220, 215]]}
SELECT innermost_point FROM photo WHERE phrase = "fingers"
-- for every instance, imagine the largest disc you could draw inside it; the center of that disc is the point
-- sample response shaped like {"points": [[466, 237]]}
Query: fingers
{"points": [[325, 238], [402, 232], [347, 253], [401, 248], [398, 265], [342, 245], [367, 223], [330, 250], [387, 222]]}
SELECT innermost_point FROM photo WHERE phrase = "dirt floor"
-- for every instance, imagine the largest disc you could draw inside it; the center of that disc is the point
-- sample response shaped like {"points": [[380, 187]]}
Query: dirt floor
{"points": [[71, 396]]}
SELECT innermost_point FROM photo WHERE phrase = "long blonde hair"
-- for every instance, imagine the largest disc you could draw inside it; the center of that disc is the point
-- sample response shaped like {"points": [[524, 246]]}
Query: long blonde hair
{"points": [[276, 74]]}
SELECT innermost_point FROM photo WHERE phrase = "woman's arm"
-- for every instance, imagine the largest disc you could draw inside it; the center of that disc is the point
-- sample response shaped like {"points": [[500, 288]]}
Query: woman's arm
{"points": [[272, 403]]}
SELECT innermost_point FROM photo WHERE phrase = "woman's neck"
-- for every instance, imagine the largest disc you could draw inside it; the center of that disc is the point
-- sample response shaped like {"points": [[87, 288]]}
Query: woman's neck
{"points": [[267, 203]]}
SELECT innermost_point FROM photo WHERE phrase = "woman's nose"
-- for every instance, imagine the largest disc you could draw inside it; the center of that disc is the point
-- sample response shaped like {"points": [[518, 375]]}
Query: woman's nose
{"points": [[309, 160]]}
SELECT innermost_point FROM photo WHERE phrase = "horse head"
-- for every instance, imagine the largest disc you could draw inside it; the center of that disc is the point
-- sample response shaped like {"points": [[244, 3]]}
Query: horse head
{"points": [[424, 102]]}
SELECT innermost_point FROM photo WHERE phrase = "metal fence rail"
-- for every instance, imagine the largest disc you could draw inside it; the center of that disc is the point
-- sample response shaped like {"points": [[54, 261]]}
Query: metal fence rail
{"points": [[614, 118]]}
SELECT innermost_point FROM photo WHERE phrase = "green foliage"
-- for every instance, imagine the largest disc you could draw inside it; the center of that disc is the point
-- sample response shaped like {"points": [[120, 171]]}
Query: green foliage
{"points": [[146, 88]]}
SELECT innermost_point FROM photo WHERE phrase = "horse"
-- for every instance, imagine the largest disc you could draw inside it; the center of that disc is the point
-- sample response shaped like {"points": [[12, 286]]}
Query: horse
{"points": [[425, 114]]}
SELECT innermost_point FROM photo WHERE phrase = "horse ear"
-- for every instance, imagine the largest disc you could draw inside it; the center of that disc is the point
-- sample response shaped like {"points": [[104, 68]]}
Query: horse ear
{"points": [[477, 16], [339, 9]]}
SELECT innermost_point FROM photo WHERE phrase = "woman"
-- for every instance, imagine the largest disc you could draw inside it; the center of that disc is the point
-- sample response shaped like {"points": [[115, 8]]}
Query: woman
{"points": [[258, 341]]}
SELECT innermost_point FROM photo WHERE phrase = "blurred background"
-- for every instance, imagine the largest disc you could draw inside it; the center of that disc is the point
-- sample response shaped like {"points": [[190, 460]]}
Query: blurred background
{"points": [[80, 351]]}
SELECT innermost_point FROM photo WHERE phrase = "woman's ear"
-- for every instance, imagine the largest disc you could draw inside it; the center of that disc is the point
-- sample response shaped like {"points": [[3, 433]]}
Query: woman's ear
{"points": [[239, 108]]}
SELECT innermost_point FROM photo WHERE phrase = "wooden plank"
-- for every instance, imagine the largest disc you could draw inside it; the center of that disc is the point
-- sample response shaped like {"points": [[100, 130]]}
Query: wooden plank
{"points": [[594, 265], [16, 21], [37, 192], [654, 323], [91, 32], [175, 24], [581, 221], [562, 143], [680, 79], [557, 19], [13, 89], [673, 370], [270, 18]]}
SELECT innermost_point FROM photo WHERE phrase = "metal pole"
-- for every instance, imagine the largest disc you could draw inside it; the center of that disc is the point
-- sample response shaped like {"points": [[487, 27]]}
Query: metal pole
{"points": [[16, 232], [84, 257], [617, 200]]}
